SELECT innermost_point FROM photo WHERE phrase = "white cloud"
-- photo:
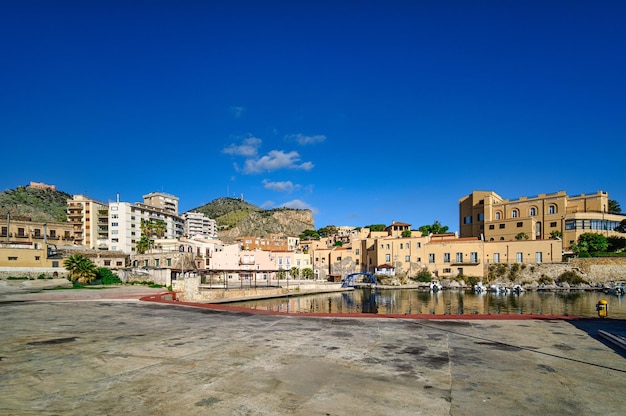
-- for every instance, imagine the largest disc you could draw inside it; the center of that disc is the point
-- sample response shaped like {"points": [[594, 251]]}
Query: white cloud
{"points": [[267, 204], [286, 186], [248, 148], [274, 160], [303, 140], [298, 204]]}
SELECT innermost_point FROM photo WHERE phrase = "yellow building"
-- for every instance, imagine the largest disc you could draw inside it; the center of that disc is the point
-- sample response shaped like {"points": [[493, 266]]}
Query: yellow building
{"points": [[486, 214]]}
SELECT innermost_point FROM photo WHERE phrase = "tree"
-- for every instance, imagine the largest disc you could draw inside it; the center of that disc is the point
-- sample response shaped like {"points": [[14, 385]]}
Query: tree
{"points": [[614, 207], [521, 236], [294, 272], [143, 245], [556, 234], [593, 242], [621, 228], [406, 234], [307, 273], [328, 231], [309, 235], [377, 227], [616, 243], [338, 243], [435, 228], [80, 268]]}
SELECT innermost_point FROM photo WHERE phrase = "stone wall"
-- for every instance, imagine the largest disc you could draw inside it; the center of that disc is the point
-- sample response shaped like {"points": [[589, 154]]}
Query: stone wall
{"points": [[157, 276], [603, 269], [33, 272]]}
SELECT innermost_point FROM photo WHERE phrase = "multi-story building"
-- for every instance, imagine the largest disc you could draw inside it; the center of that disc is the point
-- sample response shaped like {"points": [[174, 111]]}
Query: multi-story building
{"points": [[89, 219], [125, 224], [273, 242], [18, 230], [166, 202], [444, 255], [485, 214], [198, 224]]}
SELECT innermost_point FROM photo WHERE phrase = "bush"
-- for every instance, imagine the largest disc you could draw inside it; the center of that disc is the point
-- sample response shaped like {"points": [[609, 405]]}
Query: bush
{"points": [[424, 276], [571, 278], [107, 277], [41, 276], [17, 278], [546, 280]]}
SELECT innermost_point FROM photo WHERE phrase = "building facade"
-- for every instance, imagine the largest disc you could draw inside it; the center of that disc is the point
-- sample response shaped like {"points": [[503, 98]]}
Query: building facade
{"points": [[486, 215], [89, 220]]}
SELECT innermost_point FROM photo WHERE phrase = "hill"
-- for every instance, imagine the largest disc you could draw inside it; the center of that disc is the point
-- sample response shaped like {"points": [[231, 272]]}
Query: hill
{"points": [[34, 204], [237, 218]]}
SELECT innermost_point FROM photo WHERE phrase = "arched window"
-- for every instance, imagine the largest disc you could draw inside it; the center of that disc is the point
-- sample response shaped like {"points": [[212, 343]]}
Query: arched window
{"points": [[498, 215], [514, 213], [533, 212], [552, 209]]}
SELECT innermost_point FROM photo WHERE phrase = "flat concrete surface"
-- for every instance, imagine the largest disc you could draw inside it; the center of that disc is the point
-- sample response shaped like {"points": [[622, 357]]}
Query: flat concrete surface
{"points": [[104, 352]]}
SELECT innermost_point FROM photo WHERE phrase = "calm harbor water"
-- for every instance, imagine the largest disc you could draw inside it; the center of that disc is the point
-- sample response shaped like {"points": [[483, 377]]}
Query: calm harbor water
{"points": [[446, 302]]}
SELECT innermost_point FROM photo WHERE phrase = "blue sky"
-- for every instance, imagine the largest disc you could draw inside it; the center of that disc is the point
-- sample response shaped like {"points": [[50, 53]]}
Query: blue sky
{"points": [[363, 111]]}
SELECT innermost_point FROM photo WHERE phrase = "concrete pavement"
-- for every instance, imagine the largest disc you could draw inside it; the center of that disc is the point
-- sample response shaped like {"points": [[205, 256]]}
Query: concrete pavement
{"points": [[95, 352]]}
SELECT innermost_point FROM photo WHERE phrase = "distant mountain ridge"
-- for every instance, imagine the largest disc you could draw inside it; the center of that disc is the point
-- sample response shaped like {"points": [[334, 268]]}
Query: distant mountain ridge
{"points": [[235, 217]]}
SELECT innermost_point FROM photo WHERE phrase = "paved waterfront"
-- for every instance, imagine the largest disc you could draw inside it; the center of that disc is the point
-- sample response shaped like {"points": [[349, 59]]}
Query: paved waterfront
{"points": [[102, 352]]}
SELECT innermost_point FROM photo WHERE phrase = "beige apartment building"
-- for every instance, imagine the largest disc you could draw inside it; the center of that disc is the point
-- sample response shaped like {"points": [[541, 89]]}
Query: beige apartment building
{"points": [[484, 214], [19, 230], [89, 220]]}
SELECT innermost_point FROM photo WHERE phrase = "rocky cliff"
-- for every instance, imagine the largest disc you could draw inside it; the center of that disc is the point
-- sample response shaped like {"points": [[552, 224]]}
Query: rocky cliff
{"points": [[236, 218]]}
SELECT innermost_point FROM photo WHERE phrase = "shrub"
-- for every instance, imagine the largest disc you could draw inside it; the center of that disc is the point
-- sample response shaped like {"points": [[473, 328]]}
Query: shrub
{"points": [[107, 276], [17, 278], [424, 276], [41, 276], [571, 278], [546, 280]]}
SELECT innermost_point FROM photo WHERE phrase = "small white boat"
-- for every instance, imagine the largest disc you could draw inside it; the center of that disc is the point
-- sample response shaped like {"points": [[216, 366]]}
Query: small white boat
{"points": [[480, 288], [435, 286]]}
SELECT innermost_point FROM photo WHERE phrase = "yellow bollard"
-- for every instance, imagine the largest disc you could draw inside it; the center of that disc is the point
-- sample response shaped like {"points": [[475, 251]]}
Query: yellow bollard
{"points": [[603, 308]]}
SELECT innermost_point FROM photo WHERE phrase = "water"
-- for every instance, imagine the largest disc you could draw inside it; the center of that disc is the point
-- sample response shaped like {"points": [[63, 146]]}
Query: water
{"points": [[446, 302]]}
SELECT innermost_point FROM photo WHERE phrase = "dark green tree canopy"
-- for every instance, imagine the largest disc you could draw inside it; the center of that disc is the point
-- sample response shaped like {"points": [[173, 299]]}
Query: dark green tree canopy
{"points": [[376, 227], [435, 228], [614, 207], [593, 242], [309, 235]]}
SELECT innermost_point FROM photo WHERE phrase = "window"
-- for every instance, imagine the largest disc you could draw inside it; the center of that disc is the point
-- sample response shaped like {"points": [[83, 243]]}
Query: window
{"points": [[419, 245], [118, 263], [107, 262], [20, 232], [145, 263], [498, 215], [519, 257], [480, 217], [114, 224], [407, 259], [496, 257], [538, 257], [552, 209], [356, 252], [459, 257], [11, 258], [533, 212], [37, 258], [514, 213], [387, 257], [431, 258], [388, 247], [55, 264], [520, 224], [553, 224], [169, 262], [467, 220], [474, 257], [492, 227], [37, 232], [53, 234], [501, 226], [156, 262], [446, 257], [447, 270]]}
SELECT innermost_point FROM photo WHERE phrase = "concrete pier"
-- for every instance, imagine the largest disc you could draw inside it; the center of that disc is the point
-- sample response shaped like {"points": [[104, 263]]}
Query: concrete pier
{"points": [[95, 352]]}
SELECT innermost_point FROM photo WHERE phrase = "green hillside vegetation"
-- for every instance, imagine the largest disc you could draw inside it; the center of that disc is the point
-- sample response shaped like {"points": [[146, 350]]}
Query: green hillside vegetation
{"points": [[227, 212], [26, 203]]}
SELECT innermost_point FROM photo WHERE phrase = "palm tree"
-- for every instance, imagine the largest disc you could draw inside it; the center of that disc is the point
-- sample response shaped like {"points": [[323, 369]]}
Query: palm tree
{"points": [[80, 268], [294, 272]]}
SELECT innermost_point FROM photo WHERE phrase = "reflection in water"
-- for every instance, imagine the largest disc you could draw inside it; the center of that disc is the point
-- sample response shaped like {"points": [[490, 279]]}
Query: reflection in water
{"points": [[446, 302]]}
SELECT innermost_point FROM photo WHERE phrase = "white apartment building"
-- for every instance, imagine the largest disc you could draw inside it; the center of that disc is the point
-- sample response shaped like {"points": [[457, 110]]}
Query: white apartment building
{"points": [[198, 224], [125, 224]]}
